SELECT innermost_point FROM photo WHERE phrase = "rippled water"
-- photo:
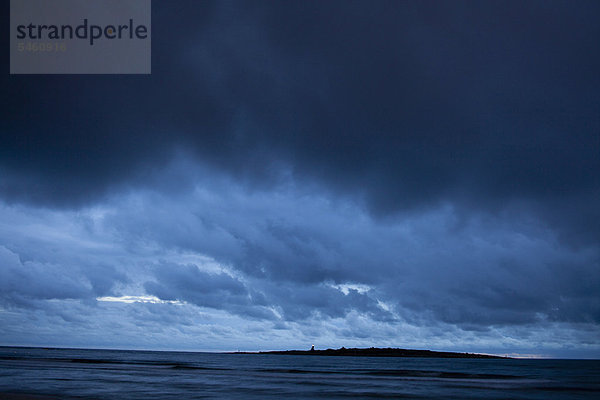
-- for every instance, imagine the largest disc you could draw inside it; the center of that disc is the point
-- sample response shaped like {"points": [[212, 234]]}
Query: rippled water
{"points": [[110, 374]]}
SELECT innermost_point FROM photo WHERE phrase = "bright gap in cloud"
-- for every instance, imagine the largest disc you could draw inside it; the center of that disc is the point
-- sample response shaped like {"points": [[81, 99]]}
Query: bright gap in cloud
{"points": [[346, 287], [138, 299]]}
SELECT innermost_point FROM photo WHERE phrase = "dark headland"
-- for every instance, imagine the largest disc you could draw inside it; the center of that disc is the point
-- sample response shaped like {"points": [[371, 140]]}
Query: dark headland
{"points": [[375, 352]]}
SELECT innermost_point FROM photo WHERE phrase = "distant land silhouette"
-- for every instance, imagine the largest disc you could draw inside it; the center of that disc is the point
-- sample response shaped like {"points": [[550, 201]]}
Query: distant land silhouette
{"points": [[374, 352]]}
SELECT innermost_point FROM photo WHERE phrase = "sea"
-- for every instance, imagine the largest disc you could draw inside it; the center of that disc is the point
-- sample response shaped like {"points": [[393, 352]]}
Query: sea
{"points": [[37, 373]]}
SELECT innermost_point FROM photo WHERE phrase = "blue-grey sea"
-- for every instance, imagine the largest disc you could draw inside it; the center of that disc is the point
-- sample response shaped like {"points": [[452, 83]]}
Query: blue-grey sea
{"points": [[114, 374]]}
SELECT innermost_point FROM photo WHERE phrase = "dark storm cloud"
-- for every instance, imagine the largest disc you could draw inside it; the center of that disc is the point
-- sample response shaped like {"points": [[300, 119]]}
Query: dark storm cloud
{"points": [[208, 263], [24, 283], [219, 291], [257, 298], [294, 252], [407, 104]]}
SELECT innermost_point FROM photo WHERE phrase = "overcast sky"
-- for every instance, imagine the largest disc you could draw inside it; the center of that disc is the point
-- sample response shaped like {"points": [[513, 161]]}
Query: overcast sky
{"points": [[407, 174]]}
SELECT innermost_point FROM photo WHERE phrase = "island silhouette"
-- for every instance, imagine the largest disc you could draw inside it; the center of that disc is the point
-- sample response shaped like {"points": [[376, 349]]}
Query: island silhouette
{"points": [[373, 352]]}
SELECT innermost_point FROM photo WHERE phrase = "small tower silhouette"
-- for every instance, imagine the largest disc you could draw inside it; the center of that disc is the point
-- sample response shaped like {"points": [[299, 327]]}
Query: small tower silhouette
{"points": [[312, 348]]}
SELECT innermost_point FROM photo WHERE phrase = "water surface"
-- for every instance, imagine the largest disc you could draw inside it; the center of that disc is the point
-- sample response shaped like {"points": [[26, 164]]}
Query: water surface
{"points": [[111, 374]]}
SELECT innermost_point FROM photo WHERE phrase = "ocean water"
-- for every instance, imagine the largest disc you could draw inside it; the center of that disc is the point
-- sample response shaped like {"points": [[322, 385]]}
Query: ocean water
{"points": [[114, 374]]}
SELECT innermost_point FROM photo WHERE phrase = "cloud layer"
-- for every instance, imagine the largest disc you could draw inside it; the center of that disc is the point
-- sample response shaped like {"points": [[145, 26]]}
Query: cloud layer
{"points": [[390, 173], [288, 258]]}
